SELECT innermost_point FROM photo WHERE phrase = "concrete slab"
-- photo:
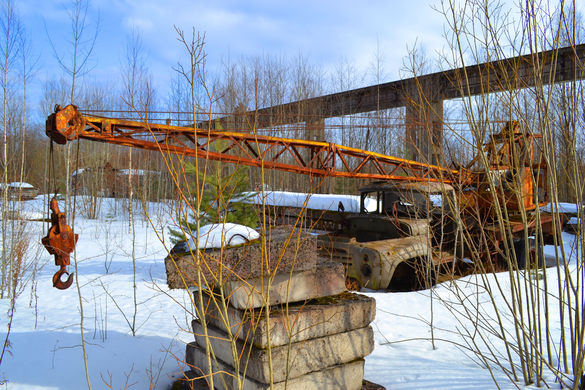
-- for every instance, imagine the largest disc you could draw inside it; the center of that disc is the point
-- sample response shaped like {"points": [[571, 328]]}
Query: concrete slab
{"points": [[287, 249], [342, 376], [293, 360], [193, 380], [327, 279], [294, 322]]}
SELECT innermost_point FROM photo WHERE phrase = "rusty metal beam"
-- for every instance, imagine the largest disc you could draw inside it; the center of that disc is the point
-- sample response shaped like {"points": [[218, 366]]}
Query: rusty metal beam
{"points": [[255, 150], [564, 64]]}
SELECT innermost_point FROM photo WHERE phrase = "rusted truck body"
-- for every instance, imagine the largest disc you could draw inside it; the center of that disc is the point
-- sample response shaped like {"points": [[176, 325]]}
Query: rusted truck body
{"points": [[393, 246]]}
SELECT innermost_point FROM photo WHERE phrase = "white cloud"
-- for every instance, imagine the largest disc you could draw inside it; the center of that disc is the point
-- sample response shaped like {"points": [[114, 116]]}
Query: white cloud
{"points": [[322, 31], [143, 25]]}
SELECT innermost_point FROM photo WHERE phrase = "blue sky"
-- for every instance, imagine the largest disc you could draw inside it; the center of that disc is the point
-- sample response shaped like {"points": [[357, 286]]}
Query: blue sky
{"points": [[326, 32]]}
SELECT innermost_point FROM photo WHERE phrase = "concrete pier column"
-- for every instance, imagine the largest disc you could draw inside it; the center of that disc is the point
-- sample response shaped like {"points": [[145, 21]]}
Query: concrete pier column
{"points": [[315, 130], [424, 130]]}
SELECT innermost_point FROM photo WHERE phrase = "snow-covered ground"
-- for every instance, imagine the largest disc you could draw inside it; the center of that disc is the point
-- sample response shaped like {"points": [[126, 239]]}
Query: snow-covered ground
{"points": [[405, 358], [45, 341]]}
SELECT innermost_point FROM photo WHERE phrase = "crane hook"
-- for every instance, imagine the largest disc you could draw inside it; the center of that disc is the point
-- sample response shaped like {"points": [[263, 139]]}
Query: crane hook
{"points": [[58, 282], [60, 242]]}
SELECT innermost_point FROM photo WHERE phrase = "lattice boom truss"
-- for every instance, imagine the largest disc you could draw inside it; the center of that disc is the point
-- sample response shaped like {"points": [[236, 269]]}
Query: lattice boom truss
{"points": [[291, 155]]}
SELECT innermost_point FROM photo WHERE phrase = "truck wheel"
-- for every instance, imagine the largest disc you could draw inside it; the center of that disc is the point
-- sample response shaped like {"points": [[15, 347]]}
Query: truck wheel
{"points": [[412, 275]]}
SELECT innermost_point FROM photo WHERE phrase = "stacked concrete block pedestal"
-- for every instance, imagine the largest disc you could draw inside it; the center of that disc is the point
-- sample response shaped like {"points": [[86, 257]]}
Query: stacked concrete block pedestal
{"points": [[296, 328], [314, 336]]}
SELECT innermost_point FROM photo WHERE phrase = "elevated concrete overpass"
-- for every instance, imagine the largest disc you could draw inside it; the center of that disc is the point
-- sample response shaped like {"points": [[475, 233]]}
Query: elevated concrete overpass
{"points": [[423, 96]]}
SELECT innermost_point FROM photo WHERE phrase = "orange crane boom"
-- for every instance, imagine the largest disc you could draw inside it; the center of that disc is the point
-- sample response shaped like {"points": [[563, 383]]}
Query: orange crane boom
{"points": [[285, 154]]}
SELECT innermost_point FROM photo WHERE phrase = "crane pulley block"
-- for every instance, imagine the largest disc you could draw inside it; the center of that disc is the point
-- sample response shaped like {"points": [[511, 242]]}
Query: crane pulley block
{"points": [[64, 124], [60, 241]]}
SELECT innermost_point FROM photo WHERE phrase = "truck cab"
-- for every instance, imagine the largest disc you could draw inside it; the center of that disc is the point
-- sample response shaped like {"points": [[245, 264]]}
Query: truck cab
{"points": [[399, 238]]}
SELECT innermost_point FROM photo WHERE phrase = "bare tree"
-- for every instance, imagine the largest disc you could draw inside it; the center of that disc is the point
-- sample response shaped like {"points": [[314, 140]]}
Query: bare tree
{"points": [[10, 30], [28, 67], [75, 62], [480, 31], [138, 96]]}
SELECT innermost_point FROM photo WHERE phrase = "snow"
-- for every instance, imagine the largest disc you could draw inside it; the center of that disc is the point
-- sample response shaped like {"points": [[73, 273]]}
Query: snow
{"points": [[134, 172], [217, 235], [351, 203], [17, 184], [573, 221], [137, 172], [569, 208], [78, 171], [45, 339], [31, 215]]}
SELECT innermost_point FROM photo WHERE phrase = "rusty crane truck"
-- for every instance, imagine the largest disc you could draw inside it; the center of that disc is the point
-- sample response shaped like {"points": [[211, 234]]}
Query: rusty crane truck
{"points": [[427, 220]]}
